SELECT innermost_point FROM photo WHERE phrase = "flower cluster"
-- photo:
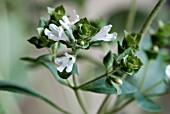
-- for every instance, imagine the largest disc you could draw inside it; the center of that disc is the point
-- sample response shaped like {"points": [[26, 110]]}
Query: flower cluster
{"points": [[75, 34], [126, 62]]}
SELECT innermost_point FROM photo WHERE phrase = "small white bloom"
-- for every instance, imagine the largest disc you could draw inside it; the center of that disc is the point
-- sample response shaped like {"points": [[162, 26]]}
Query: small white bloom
{"points": [[103, 34], [55, 33], [167, 71], [66, 61], [66, 23]]}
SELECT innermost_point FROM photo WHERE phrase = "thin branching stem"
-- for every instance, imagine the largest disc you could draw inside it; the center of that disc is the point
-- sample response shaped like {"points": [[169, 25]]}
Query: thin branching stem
{"points": [[91, 81], [150, 18], [143, 31], [101, 108], [78, 96]]}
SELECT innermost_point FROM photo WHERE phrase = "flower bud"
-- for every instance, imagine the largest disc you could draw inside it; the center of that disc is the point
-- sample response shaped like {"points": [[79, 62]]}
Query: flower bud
{"points": [[156, 48], [82, 43], [167, 71], [116, 80]]}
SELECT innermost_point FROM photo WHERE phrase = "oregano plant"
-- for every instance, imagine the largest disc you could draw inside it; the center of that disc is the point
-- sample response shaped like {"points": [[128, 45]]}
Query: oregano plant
{"points": [[125, 73]]}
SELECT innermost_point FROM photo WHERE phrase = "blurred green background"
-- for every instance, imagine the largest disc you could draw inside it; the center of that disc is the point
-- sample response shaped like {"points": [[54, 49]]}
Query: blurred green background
{"points": [[18, 22]]}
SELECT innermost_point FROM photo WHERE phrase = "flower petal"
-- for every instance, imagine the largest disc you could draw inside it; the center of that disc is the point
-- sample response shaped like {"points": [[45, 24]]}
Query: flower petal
{"points": [[64, 25], [54, 28], [47, 32], [66, 20], [103, 35], [76, 17], [69, 67], [66, 61]]}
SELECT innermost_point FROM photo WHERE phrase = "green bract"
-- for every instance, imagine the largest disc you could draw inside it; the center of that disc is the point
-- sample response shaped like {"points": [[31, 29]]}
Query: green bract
{"points": [[130, 40], [56, 14], [161, 37], [83, 33], [108, 60], [128, 62]]}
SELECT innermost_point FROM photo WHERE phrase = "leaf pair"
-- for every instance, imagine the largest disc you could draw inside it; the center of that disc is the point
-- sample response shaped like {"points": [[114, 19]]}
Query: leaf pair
{"points": [[99, 86], [16, 88]]}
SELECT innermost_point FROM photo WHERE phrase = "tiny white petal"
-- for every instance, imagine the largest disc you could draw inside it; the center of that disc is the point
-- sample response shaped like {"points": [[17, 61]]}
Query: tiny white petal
{"points": [[47, 32], [69, 68], [76, 17], [55, 33], [103, 34], [64, 25], [53, 28], [167, 71], [66, 20], [40, 30]]}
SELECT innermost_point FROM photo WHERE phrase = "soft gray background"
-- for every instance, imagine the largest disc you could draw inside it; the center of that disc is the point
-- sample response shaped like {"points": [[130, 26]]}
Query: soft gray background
{"points": [[18, 21]]}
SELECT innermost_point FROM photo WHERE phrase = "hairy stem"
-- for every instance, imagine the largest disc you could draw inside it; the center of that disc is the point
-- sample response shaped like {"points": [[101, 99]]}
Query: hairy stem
{"points": [[103, 75], [55, 106], [131, 15], [101, 108], [150, 18], [78, 96]]}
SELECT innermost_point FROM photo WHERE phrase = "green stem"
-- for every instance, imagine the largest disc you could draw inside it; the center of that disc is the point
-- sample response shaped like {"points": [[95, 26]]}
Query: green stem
{"points": [[54, 51], [103, 75], [144, 76], [107, 98], [103, 104], [121, 107], [153, 86], [150, 18], [78, 96], [131, 15], [81, 86], [55, 106]]}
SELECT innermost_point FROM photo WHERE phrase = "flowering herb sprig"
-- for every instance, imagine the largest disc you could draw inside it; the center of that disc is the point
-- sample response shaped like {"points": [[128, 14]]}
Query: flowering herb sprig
{"points": [[121, 68]]}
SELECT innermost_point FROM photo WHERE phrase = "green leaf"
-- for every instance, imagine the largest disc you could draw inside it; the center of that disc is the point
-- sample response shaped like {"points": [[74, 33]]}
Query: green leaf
{"points": [[40, 30], [108, 60], [65, 75], [131, 40], [42, 22], [151, 54], [60, 10], [99, 86], [45, 60], [50, 10], [36, 42], [16, 88], [41, 42], [164, 30], [145, 103]]}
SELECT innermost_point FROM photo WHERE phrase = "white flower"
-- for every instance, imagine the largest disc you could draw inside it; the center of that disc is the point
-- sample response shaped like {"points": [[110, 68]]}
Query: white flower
{"points": [[55, 33], [66, 61], [66, 23], [103, 34], [167, 71]]}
